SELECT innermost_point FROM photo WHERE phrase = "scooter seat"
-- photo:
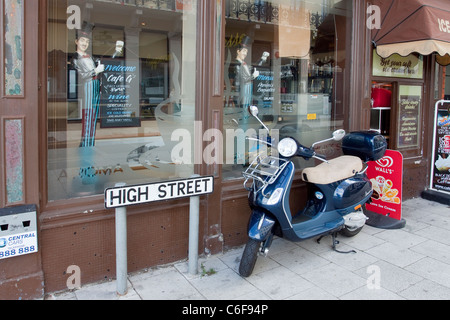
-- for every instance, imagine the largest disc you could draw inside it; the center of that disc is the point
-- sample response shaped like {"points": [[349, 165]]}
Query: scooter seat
{"points": [[335, 170]]}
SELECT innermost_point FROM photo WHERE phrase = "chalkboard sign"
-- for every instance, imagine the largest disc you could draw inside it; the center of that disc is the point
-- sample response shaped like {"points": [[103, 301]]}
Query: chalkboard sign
{"points": [[409, 120], [120, 94]]}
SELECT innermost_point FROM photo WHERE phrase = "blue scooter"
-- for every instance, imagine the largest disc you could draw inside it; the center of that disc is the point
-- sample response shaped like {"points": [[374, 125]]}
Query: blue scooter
{"points": [[337, 192]]}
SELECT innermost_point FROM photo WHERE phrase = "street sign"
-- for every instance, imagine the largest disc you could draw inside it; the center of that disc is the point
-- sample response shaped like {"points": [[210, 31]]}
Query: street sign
{"points": [[169, 190]]}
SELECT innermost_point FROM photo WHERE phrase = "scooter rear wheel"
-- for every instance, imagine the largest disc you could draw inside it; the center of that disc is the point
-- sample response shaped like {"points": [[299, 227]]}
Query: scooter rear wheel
{"points": [[347, 232], [249, 257]]}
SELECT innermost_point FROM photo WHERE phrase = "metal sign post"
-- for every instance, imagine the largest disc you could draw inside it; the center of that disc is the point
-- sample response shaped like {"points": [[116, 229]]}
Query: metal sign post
{"points": [[194, 221], [121, 248], [122, 196]]}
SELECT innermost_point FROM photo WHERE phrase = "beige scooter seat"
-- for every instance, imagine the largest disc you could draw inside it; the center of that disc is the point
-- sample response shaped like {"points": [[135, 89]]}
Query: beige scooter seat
{"points": [[335, 170]]}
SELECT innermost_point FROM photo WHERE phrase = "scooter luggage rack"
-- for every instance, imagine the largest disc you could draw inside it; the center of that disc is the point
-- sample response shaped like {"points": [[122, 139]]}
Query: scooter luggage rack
{"points": [[265, 170]]}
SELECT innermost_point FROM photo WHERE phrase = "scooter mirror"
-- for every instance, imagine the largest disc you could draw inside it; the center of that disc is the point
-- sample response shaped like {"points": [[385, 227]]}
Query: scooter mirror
{"points": [[253, 110], [338, 135]]}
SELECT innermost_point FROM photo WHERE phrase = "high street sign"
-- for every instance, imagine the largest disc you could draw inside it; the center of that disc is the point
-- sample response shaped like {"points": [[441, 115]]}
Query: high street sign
{"points": [[169, 190]]}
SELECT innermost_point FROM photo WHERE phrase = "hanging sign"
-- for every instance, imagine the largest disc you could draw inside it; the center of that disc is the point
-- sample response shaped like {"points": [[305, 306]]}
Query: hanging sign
{"points": [[410, 67], [386, 176], [170, 190], [440, 175]]}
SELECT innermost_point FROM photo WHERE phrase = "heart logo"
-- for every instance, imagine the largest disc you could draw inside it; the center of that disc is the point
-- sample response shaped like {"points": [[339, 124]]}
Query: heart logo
{"points": [[386, 162]]}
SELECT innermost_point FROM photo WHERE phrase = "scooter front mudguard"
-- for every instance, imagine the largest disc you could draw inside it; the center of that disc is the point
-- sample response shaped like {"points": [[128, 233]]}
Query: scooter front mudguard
{"points": [[260, 225]]}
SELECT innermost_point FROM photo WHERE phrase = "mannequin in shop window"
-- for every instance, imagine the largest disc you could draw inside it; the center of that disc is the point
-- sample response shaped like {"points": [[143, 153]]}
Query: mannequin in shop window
{"points": [[89, 78], [243, 75], [89, 73]]}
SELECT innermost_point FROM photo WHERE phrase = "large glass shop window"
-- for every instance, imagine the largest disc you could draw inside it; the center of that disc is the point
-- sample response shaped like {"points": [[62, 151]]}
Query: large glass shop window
{"points": [[121, 96], [291, 59]]}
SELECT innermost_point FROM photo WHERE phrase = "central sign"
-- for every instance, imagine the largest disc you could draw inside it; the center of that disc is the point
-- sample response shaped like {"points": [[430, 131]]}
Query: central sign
{"points": [[169, 190]]}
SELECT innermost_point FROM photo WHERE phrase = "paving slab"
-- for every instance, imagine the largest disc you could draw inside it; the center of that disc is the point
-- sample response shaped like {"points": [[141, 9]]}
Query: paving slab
{"points": [[412, 263]]}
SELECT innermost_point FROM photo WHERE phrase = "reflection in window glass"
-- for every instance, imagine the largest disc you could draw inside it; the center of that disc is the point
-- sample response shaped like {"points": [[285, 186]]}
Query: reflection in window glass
{"points": [[290, 59], [119, 85]]}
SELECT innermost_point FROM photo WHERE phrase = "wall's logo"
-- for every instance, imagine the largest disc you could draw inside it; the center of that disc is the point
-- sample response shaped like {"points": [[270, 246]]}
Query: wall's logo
{"points": [[386, 162]]}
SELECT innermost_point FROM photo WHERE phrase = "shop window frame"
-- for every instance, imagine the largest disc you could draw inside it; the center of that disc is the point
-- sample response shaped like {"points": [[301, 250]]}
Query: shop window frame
{"points": [[65, 210]]}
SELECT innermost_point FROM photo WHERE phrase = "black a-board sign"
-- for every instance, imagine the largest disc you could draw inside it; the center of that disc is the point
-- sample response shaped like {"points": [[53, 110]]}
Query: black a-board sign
{"points": [[440, 169]]}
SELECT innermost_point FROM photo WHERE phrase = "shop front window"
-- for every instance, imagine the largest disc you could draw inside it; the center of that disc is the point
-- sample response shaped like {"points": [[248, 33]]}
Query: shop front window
{"points": [[291, 60], [119, 86]]}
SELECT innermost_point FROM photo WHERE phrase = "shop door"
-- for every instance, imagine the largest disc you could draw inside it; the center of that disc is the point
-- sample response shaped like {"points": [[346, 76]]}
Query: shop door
{"points": [[398, 113]]}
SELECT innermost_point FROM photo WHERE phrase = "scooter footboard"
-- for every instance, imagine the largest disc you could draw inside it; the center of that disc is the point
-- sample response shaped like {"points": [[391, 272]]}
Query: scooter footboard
{"points": [[260, 225]]}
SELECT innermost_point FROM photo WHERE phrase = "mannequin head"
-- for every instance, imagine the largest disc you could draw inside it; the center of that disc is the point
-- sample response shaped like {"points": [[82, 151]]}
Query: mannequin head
{"points": [[241, 53], [83, 38], [82, 44]]}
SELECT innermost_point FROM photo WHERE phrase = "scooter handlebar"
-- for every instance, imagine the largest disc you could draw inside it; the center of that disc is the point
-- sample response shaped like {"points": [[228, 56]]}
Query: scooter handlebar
{"points": [[320, 157], [305, 152]]}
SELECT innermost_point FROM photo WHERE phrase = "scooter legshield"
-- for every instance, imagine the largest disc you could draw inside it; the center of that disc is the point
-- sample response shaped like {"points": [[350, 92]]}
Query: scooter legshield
{"points": [[260, 225]]}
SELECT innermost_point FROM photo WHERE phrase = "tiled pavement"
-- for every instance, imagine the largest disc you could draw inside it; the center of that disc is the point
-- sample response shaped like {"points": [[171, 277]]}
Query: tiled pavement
{"points": [[408, 264]]}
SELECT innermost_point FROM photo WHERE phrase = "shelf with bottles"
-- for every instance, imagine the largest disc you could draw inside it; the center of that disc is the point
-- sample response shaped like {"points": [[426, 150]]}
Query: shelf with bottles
{"points": [[321, 76]]}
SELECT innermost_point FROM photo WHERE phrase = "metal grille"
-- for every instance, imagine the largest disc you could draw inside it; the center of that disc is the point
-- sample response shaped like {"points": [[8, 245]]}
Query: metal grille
{"points": [[266, 12], [153, 4]]}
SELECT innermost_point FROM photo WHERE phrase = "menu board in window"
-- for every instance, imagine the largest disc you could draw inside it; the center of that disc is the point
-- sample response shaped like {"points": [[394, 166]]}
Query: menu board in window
{"points": [[120, 94], [410, 101]]}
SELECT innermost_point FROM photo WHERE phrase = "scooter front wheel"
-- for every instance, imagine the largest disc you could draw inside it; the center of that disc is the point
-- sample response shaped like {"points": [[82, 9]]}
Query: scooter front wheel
{"points": [[249, 257]]}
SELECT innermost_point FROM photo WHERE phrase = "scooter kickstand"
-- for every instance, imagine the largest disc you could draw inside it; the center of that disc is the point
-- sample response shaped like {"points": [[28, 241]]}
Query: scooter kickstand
{"points": [[336, 242], [320, 239]]}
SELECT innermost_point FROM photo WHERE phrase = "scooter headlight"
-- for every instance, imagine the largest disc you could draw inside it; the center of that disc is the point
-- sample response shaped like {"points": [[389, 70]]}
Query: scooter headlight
{"points": [[287, 147]]}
